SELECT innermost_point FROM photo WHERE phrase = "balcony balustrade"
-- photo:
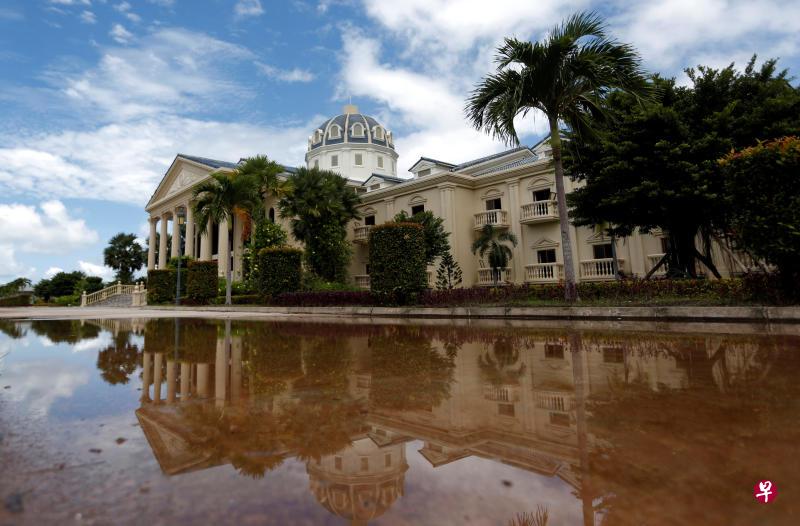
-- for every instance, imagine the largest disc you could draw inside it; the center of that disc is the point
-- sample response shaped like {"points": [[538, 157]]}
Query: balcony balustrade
{"points": [[539, 211], [486, 276], [361, 234], [544, 273], [554, 400], [652, 261], [501, 393], [599, 269], [362, 281], [496, 218]]}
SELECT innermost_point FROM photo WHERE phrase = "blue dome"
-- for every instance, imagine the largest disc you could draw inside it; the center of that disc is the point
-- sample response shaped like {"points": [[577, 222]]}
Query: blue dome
{"points": [[351, 127]]}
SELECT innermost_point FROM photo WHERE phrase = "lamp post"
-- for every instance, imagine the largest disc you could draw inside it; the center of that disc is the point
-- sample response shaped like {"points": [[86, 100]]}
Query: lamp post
{"points": [[181, 218]]}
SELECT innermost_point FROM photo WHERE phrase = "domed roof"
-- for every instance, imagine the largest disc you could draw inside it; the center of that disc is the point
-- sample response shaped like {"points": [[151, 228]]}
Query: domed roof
{"points": [[351, 127]]}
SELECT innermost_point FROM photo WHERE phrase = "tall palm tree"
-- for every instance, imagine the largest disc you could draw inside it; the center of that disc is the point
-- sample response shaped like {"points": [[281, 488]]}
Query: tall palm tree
{"points": [[264, 174], [219, 199], [565, 76], [493, 242]]}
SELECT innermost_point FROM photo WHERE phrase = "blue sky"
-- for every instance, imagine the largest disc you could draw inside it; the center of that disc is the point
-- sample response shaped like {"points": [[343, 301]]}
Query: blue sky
{"points": [[97, 96]]}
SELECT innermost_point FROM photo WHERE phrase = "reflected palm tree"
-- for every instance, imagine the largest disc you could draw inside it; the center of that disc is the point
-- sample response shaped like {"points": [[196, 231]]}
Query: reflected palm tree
{"points": [[502, 363], [119, 361], [537, 518]]}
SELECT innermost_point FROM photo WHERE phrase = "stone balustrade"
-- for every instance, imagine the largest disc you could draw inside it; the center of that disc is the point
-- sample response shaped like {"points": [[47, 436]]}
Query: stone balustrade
{"points": [[486, 276], [544, 273], [538, 211], [599, 269], [496, 218], [361, 234]]}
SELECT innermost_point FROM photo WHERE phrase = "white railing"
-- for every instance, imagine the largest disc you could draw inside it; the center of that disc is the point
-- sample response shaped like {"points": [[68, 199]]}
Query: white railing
{"points": [[362, 281], [553, 401], [539, 211], [486, 276], [500, 393], [361, 233], [544, 272], [429, 277], [652, 261], [103, 294], [599, 269], [491, 217]]}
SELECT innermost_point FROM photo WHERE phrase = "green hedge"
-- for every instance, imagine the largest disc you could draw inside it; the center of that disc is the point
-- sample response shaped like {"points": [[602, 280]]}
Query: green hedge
{"points": [[279, 270], [397, 262], [201, 285], [161, 286], [21, 300]]}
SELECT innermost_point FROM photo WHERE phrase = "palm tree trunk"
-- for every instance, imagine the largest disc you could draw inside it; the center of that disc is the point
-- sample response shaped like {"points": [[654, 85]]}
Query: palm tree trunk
{"points": [[228, 276], [570, 288]]}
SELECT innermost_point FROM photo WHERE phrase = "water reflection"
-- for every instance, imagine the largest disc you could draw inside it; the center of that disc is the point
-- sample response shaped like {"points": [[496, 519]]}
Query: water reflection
{"points": [[644, 428]]}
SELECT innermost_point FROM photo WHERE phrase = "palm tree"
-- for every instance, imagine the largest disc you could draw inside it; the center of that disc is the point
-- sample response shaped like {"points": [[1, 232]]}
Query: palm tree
{"points": [[219, 199], [493, 242], [566, 76], [264, 174]]}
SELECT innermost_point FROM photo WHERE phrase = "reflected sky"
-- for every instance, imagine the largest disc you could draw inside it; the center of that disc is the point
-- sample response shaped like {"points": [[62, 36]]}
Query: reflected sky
{"points": [[185, 421]]}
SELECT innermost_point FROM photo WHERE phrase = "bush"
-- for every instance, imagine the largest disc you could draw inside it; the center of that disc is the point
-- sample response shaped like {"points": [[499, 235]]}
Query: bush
{"points": [[20, 300], [328, 252], [161, 286], [279, 270], [397, 262], [184, 260], [71, 300], [310, 282], [241, 299], [266, 235], [323, 299], [201, 284]]}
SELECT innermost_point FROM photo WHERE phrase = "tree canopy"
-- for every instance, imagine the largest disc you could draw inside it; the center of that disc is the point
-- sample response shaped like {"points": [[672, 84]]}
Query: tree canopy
{"points": [[125, 255], [436, 242]]}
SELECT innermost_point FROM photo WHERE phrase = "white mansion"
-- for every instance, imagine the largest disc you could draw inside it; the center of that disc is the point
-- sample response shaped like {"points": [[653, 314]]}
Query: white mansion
{"points": [[511, 190]]}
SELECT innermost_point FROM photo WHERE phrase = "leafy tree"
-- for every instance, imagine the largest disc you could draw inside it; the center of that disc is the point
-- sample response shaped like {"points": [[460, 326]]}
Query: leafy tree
{"points": [[14, 286], [265, 235], [61, 284], [654, 165], [436, 242], [218, 200], [565, 76], [762, 186], [264, 174], [124, 255], [492, 241], [119, 361], [448, 275], [321, 206]]}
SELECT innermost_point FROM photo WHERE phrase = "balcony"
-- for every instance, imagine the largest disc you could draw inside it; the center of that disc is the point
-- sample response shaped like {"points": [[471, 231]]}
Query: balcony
{"points": [[652, 261], [361, 234], [544, 273], [538, 212], [362, 281], [554, 400], [501, 393], [486, 276], [496, 218], [599, 269]]}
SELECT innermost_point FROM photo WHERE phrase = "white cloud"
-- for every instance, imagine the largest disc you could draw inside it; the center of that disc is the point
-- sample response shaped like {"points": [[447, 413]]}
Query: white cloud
{"points": [[52, 271], [38, 384], [88, 17], [48, 229], [10, 268], [285, 75], [71, 2], [120, 34], [92, 269], [125, 9], [244, 8]]}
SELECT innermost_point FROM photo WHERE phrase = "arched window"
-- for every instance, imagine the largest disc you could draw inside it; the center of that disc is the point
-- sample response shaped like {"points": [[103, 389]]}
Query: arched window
{"points": [[358, 130], [378, 133], [335, 132], [317, 136], [272, 215]]}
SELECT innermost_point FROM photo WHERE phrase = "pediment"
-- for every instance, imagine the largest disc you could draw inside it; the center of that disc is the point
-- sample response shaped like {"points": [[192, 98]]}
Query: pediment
{"points": [[181, 176]]}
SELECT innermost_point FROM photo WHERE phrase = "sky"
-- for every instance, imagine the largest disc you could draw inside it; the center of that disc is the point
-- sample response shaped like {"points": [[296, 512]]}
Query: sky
{"points": [[98, 96]]}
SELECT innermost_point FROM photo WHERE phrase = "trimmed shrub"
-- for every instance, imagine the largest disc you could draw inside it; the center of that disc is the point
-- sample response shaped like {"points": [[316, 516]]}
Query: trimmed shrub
{"points": [[323, 299], [397, 262], [20, 300], [279, 270], [201, 284], [161, 286]]}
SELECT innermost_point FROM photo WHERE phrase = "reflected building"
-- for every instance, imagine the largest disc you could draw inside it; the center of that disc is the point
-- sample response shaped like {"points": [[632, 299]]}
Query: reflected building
{"points": [[519, 400]]}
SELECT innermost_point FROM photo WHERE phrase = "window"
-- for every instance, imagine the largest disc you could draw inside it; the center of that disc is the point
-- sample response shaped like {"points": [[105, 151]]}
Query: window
{"points": [[613, 355], [387, 460], [559, 419], [493, 204], [417, 209], [375, 186], [335, 132], [423, 173], [603, 251], [272, 215], [380, 161], [337, 462], [379, 133], [316, 163], [317, 136], [554, 351], [541, 195], [366, 269], [334, 160], [664, 245], [359, 159], [546, 255], [364, 464], [505, 409], [369, 220], [358, 130]]}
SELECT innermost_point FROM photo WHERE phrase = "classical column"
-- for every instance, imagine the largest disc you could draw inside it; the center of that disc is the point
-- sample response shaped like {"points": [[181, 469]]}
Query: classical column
{"points": [[186, 368], [205, 242], [518, 261], [176, 235], [162, 244], [236, 368], [158, 358], [147, 370], [172, 378], [223, 262], [221, 372], [237, 248], [151, 246], [202, 379], [189, 249]]}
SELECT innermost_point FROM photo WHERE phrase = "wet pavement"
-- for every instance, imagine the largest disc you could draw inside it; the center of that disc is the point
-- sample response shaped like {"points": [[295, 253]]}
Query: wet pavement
{"points": [[192, 421]]}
